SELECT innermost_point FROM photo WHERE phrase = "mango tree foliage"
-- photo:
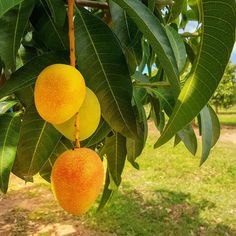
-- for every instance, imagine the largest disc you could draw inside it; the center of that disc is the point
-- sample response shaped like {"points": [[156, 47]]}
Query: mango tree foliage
{"points": [[138, 58], [225, 94]]}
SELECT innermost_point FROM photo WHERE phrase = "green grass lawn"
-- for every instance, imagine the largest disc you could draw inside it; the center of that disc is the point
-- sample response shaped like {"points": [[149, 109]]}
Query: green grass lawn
{"points": [[169, 195], [227, 117]]}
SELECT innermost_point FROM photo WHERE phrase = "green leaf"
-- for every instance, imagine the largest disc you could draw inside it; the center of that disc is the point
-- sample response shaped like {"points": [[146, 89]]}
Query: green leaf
{"points": [[115, 151], [12, 26], [102, 131], [207, 134], [37, 141], [25, 54], [218, 36], [26, 96], [107, 193], [178, 46], [54, 36], [176, 9], [58, 11], [9, 136], [6, 105], [151, 5], [215, 126], [26, 75], [186, 134], [128, 34], [62, 145], [135, 146], [153, 30], [102, 63], [189, 138], [7, 5]]}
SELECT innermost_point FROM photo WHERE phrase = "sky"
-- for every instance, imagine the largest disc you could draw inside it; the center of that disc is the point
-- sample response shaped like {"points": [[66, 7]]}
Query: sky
{"points": [[191, 27], [233, 55]]}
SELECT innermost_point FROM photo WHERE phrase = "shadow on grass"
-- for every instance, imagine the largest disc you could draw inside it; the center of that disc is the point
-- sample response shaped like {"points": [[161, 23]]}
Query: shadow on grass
{"points": [[162, 213], [131, 213]]}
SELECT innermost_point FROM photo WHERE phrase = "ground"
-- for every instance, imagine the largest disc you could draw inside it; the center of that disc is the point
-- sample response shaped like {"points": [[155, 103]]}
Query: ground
{"points": [[168, 196]]}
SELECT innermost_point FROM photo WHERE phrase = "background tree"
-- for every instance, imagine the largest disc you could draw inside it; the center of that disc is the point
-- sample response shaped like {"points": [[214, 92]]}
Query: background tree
{"points": [[115, 41], [225, 94]]}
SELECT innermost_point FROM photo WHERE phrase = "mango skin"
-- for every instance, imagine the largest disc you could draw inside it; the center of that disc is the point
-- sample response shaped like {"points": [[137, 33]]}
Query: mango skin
{"points": [[77, 179], [87, 119], [59, 93]]}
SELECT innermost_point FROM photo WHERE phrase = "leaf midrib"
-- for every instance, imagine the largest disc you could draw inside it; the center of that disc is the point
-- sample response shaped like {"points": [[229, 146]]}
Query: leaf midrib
{"points": [[15, 31], [36, 147], [129, 35], [194, 71], [96, 53], [9, 8], [53, 25]]}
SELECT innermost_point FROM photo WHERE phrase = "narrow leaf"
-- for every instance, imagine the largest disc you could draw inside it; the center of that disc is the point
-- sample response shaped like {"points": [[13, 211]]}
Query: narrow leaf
{"points": [[12, 26], [107, 193], [37, 141], [218, 37], [186, 134], [9, 136], [189, 138], [7, 5], [6, 105], [128, 34], [176, 9], [206, 127], [135, 146], [102, 62], [215, 126], [115, 151], [54, 36], [178, 46], [58, 11], [62, 145], [153, 30]]}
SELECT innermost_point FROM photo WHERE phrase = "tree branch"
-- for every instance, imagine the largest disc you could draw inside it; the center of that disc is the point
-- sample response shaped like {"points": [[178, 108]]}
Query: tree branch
{"points": [[93, 4]]}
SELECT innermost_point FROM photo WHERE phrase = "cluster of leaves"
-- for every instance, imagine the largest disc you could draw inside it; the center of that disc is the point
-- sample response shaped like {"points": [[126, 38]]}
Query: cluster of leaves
{"points": [[117, 49], [225, 94]]}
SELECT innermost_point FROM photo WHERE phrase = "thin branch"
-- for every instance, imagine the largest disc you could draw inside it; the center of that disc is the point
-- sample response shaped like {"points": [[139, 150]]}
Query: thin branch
{"points": [[71, 32], [188, 34], [92, 4], [152, 85]]}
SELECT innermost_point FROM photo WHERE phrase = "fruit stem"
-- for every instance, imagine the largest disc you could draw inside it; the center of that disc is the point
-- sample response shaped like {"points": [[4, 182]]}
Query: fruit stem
{"points": [[71, 31], [77, 142], [72, 53]]}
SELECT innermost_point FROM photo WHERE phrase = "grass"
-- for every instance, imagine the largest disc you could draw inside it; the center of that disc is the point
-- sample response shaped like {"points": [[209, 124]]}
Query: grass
{"points": [[227, 117], [169, 195]]}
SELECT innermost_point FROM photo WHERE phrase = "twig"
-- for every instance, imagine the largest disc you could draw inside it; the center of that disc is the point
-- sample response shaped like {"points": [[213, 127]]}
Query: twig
{"points": [[71, 31], [152, 85], [93, 4], [72, 54], [188, 34]]}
